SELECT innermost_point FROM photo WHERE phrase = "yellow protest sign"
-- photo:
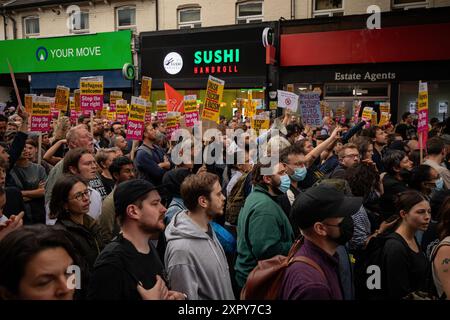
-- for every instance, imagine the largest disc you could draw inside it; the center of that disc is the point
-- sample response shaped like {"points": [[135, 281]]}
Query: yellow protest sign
{"points": [[146, 88], [113, 97], [122, 111], [385, 107], [77, 100], [367, 114], [273, 105], [91, 93], [137, 109], [62, 98], [384, 119], [374, 117], [260, 121], [29, 102], [214, 93]]}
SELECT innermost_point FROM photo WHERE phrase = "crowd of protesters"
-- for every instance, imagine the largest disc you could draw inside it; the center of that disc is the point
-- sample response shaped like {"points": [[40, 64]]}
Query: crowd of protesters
{"points": [[134, 224]]}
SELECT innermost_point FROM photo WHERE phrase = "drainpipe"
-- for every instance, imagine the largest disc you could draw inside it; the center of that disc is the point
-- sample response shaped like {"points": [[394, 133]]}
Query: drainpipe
{"points": [[157, 14], [14, 27], [292, 9]]}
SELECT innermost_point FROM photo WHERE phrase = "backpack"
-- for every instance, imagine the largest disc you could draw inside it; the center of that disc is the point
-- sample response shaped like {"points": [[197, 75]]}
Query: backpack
{"points": [[236, 200], [265, 281]]}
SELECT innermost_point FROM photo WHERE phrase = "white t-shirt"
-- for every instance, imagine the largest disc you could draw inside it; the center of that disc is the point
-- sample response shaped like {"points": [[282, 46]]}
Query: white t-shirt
{"points": [[95, 208]]}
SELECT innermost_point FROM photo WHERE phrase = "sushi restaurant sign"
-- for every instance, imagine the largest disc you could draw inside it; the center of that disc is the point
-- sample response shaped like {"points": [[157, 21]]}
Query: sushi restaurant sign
{"points": [[216, 61]]}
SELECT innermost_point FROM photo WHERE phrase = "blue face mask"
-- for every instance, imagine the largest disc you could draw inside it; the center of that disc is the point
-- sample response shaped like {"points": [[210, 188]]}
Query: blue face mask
{"points": [[299, 174], [439, 184], [284, 184]]}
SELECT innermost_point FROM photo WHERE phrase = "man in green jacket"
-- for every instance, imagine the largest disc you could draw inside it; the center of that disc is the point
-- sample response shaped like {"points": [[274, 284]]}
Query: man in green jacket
{"points": [[263, 228]]}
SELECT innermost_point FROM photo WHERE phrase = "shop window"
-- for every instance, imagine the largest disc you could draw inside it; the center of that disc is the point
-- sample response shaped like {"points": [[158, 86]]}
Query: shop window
{"points": [[126, 18], [80, 23], [409, 4], [31, 26], [248, 12], [189, 18]]}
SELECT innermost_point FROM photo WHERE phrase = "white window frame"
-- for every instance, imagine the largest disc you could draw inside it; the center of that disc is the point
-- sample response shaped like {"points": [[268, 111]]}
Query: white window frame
{"points": [[82, 30], [190, 24], [323, 13], [249, 19], [412, 5], [132, 27], [31, 35]]}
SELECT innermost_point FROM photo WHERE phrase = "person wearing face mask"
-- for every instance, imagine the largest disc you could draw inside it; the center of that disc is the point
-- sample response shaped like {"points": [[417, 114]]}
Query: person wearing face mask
{"points": [[264, 230], [323, 215], [293, 159], [426, 180], [436, 153]]}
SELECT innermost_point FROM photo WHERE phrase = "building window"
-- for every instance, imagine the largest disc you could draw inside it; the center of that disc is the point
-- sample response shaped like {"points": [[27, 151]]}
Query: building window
{"points": [[328, 8], [409, 4], [189, 18], [126, 18], [31, 26], [80, 24], [248, 12]]}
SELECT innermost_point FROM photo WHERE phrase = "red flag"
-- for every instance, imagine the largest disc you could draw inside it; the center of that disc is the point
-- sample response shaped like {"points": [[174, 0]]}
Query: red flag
{"points": [[174, 100]]}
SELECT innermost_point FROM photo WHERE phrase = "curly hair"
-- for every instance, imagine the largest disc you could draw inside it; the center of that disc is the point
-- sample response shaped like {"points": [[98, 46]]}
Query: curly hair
{"points": [[362, 179]]}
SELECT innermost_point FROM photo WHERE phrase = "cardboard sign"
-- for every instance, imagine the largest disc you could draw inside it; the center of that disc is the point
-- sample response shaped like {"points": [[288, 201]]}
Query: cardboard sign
{"points": [[161, 110], [422, 124], [310, 109], [172, 123], [113, 97], [41, 114], [214, 93], [91, 93], [367, 114], [385, 107], [191, 110], [374, 117], [384, 119], [146, 88], [29, 102], [77, 99], [273, 105], [62, 98], [122, 111], [135, 128], [288, 100], [260, 121]]}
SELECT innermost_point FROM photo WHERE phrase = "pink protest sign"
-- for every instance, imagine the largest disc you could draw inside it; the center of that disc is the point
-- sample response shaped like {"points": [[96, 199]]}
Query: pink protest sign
{"points": [[74, 115], [91, 93], [161, 108], [191, 111], [135, 128], [40, 114]]}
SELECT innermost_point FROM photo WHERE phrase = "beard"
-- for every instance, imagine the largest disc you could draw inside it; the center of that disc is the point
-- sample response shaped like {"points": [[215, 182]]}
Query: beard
{"points": [[274, 188], [152, 230]]}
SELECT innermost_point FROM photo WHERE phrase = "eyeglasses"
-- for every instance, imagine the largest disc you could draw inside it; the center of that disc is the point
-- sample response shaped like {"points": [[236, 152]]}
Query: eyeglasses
{"points": [[80, 195]]}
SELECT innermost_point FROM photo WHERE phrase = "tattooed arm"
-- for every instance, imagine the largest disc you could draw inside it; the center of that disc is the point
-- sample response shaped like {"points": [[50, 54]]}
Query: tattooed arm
{"points": [[442, 267]]}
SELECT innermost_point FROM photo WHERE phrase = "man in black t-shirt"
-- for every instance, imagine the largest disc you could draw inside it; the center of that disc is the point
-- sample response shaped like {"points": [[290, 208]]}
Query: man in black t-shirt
{"points": [[129, 267]]}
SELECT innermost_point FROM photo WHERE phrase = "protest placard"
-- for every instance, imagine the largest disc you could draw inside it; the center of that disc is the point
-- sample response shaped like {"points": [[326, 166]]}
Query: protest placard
{"points": [[135, 128], [288, 100], [41, 114], [62, 98], [172, 123], [161, 110], [146, 88], [422, 124], [113, 97], [214, 93], [310, 109], [29, 102], [191, 110], [91, 93], [121, 111]]}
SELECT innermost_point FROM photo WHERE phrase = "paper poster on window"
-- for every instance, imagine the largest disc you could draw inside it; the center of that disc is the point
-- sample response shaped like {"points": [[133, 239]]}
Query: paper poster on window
{"points": [[41, 114], [310, 109], [191, 110], [62, 98], [136, 116], [121, 111], [91, 93], [214, 93]]}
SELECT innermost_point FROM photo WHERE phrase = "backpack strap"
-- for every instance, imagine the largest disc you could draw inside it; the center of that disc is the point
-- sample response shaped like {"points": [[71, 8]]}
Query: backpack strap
{"points": [[309, 262]]}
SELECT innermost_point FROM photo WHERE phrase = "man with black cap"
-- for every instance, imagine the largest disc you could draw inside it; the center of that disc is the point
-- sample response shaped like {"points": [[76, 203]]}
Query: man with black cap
{"points": [[323, 215], [129, 267]]}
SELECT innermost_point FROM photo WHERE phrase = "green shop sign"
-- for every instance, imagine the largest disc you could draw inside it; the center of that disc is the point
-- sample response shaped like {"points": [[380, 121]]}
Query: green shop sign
{"points": [[101, 51]]}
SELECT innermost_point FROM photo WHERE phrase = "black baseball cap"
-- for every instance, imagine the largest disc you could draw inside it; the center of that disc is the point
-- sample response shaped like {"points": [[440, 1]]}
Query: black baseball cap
{"points": [[321, 202], [129, 191]]}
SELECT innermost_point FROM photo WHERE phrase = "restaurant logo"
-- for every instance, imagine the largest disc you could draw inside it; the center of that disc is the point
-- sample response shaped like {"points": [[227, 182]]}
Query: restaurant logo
{"points": [[173, 63]]}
